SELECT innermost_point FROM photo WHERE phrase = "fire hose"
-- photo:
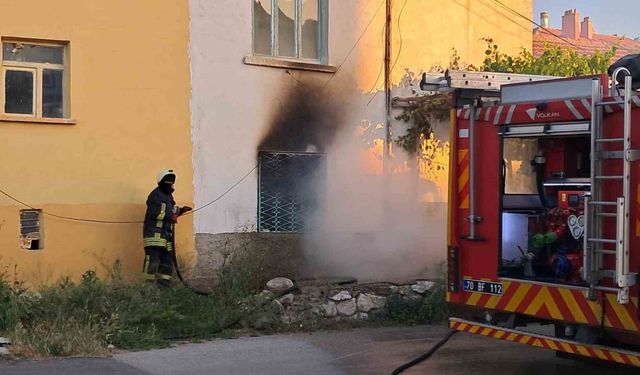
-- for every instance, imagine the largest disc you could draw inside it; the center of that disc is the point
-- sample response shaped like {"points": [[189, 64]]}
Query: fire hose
{"points": [[426, 355], [234, 321], [174, 259], [237, 320]]}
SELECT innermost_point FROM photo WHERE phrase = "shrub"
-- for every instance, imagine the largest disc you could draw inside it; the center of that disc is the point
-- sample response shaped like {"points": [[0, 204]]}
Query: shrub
{"points": [[431, 308]]}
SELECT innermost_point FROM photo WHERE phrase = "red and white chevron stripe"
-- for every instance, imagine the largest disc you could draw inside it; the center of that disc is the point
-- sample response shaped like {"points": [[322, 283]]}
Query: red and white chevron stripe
{"points": [[602, 353], [528, 113]]}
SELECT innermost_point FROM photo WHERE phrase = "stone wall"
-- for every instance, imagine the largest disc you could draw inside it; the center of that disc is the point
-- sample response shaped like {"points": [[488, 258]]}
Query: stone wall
{"points": [[314, 300]]}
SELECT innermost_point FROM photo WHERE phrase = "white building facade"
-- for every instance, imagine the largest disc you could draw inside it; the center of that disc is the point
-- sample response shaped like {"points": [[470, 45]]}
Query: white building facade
{"points": [[288, 112]]}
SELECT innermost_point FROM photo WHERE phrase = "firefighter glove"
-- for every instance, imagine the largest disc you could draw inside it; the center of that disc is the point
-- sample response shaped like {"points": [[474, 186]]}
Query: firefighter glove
{"points": [[184, 210]]}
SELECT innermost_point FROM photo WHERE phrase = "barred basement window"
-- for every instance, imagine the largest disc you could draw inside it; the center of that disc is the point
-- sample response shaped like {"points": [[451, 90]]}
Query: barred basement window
{"points": [[31, 229], [289, 188]]}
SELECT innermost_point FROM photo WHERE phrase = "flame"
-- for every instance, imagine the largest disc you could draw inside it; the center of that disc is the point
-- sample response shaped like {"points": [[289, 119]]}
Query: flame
{"points": [[433, 166], [372, 158], [431, 163]]}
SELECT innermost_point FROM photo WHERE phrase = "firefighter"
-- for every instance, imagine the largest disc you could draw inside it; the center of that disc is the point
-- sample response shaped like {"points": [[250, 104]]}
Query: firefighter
{"points": [[158, 230]]}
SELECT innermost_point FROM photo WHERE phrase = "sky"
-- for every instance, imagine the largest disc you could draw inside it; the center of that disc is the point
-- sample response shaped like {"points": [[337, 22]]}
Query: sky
{"points": [[608, 16]]}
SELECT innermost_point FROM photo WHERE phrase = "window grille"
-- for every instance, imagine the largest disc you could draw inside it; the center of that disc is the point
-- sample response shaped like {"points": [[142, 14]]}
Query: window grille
{"points": [[290, 185]]}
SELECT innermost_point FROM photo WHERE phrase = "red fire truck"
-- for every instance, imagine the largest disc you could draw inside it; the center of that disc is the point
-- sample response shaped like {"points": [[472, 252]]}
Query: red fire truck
{"points": [[544, 212]]}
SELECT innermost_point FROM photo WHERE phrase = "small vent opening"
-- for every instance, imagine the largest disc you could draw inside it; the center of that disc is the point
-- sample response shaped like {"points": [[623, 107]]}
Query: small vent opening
{"points": [[31, 229]]}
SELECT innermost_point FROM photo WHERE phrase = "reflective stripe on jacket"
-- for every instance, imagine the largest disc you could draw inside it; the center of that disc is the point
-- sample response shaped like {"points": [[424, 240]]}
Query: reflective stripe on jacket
{"points": [[157, 230]]}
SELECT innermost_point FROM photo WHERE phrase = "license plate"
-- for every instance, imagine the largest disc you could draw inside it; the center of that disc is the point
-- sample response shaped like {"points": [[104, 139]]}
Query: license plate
{"points": [[478, 286]]}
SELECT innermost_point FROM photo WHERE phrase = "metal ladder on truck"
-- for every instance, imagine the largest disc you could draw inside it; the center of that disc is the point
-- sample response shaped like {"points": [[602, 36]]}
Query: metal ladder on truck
{"points": [[597, 210]]}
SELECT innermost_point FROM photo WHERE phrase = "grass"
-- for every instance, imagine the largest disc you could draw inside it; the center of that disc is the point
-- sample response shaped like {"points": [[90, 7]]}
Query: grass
{"points": [[86, 317], [429, 309]]}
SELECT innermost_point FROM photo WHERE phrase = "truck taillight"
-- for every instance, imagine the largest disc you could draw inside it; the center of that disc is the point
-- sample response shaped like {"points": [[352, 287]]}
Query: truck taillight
{"points": [[452, 268]]}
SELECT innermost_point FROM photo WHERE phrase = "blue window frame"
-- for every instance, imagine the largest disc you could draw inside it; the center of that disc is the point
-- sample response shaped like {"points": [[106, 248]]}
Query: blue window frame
{"points": [[290, 29]]}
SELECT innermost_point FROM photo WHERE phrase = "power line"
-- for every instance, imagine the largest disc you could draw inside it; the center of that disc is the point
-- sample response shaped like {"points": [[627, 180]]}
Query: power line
{"points": [[381, 67], [397, 55], [400, 33], [223, 194], [288, 72], [354, 45], [500, 12], [67, 217], [515, 12], [97, 221], [375, 94]]}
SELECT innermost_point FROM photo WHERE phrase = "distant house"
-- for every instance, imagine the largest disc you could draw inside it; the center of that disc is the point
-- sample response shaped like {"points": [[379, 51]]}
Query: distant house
{"points": [[580, 36]]}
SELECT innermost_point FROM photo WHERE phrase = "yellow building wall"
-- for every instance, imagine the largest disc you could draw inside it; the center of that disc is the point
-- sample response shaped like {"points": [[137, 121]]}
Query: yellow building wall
{"points": [[426, 32], [129, 95], [425, 36]]}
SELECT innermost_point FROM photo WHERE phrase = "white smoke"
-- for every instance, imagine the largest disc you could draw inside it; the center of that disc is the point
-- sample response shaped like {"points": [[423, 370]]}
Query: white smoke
{"points": [[371, 227]]}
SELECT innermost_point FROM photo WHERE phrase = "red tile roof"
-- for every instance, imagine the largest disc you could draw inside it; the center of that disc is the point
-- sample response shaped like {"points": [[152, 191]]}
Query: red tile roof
{"points": [[584, 46]]}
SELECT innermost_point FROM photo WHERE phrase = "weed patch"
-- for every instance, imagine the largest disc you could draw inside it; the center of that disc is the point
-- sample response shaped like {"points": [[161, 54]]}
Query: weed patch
{"points": [[85, 317], [429, 309]]}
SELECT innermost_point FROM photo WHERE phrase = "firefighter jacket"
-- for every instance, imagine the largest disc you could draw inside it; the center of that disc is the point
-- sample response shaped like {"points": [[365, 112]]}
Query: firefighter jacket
{"points": [[159, 220]]}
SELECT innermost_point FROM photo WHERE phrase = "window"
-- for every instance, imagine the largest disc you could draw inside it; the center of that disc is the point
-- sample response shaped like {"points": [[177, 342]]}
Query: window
{"points": [[294, 29], [520, 177], [34, 80], [289, 186], [31, 229]]}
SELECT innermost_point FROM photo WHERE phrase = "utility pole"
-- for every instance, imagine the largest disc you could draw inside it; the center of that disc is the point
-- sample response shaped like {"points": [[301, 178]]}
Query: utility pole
{"points": [[386, 161]]}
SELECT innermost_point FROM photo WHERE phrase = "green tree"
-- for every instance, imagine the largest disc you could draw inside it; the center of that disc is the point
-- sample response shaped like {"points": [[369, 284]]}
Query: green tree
{"points": [[422, 116], [554, 61]]}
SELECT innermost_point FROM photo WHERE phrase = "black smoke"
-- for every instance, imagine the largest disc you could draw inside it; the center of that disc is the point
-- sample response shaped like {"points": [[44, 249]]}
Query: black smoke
{"points": [[308, 119]]}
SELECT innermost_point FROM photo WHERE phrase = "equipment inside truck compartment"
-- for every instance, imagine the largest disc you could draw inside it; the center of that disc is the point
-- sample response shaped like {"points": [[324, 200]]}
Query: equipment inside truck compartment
{"points": [[549, 177], [545, 179]]}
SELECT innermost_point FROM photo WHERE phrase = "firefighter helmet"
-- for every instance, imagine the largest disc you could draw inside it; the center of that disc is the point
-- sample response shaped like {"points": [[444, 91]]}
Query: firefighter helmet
{"points": [[165, 173]]}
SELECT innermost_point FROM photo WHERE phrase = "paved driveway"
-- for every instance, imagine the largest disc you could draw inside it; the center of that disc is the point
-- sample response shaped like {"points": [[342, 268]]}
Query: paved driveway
{"points": [[352, 352]]}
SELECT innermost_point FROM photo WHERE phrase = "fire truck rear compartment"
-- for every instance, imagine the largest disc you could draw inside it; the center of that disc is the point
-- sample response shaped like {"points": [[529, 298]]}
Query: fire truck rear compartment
{"points": [[544, 181], [545, 190]]}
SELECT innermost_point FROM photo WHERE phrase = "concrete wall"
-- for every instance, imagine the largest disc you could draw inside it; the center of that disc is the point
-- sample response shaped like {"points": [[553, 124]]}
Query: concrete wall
{"points": [[233, 103], [274, 254], [129, 95]]}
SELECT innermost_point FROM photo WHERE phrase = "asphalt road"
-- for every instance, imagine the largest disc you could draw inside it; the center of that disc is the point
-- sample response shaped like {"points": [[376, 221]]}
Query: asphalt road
{"points": [[353, 352]]}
